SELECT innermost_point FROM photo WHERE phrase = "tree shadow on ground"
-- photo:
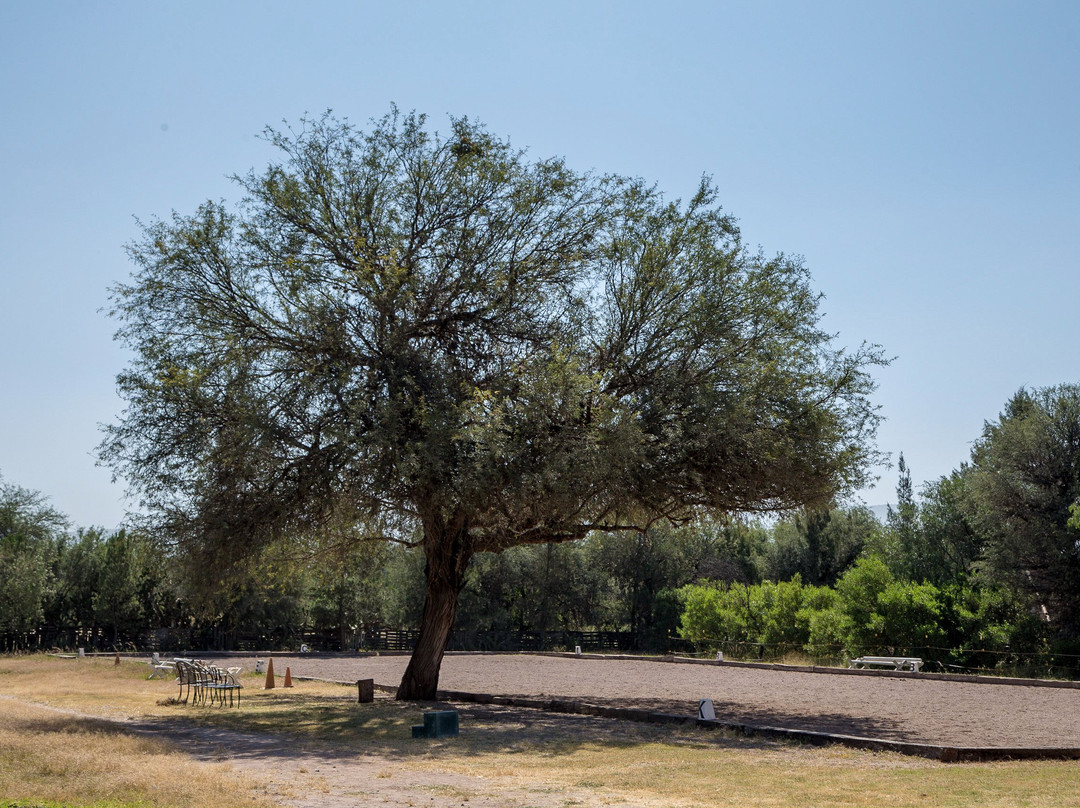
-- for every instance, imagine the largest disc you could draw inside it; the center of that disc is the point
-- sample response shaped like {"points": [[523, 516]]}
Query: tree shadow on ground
{"points": [[335, 728], [730, 712], [834, 723], [321, 727]]}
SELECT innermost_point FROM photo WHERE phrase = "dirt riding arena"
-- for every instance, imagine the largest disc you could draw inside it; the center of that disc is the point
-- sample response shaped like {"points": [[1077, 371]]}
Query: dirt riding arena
{"points": [[914, 709]]}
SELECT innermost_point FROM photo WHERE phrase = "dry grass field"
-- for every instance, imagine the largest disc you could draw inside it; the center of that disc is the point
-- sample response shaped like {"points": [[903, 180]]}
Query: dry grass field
{"points": [[88, 733]]}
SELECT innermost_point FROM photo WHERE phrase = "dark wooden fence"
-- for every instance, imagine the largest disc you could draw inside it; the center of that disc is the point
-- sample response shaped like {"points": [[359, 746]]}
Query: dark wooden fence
{"points": [[216, 638]]}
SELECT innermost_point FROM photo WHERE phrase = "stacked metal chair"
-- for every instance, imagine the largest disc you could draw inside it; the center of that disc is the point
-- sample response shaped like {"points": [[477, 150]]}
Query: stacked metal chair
{"points": [[200, 682]]}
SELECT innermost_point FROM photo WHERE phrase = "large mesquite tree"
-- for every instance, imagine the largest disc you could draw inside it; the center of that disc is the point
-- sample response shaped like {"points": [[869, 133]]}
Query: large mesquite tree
{"points": [[438, 340]]}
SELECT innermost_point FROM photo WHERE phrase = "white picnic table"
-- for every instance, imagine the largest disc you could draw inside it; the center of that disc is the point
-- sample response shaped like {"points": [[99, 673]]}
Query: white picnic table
{"points": [[159, 668]]}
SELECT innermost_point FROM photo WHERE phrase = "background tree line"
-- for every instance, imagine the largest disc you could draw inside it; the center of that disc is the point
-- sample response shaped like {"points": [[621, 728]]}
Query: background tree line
{"points": [[979, 571], [125, 588]]}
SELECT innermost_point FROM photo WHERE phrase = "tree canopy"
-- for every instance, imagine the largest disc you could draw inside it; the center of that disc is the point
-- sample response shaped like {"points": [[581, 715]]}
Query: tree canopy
{"points": [[1023, 481], [435, 339], [30, 530]]}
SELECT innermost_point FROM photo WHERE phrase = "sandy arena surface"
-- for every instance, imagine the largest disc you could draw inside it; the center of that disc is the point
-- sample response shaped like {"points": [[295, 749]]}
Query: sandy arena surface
{"points": [[915, 710]]}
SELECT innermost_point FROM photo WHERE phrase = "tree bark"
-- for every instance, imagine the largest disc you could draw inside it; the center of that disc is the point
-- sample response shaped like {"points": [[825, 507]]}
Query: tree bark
{"points": [[448, 550]]}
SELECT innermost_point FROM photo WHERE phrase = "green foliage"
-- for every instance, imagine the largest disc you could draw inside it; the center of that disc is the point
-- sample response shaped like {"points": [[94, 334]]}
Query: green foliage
{"points": [[818, 545], [78, 569], [611, 581], [911, 616], [268, 598], [775, 617], [859, 589], [884, 613], [1001, 622], [345, 588], [30, 534], [783, 621], [951, 546], [115, 582], [117, 600], [1022, 486], [474, 351], [828, 630], [902, 524], [868, 611], [933, 540], [123, 583], [722, 550], [714, 615], [534, 588], [402, 587], [633, 570], [557, 587]]}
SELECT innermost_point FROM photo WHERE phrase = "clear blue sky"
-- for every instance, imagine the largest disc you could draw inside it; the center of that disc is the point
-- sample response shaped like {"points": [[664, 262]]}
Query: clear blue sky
{"points": [[924, 158]]}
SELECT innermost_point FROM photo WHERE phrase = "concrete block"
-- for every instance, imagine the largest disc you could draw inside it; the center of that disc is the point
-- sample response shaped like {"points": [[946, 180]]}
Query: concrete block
{"points": [[441, 723], [438, 724]]}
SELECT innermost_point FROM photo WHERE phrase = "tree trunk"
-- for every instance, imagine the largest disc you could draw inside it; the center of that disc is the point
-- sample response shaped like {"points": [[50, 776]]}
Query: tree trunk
{"points": [[448, 550]]}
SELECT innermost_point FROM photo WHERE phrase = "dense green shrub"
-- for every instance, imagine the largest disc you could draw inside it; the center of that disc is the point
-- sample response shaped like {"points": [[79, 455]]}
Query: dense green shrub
{"points": [[869, 611], [771, 618]]}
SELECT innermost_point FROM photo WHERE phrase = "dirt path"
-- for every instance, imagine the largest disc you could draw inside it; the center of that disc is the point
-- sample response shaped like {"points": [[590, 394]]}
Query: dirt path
{"points": [[299, 774], [319, 775], [322, 776], [916, 710]]}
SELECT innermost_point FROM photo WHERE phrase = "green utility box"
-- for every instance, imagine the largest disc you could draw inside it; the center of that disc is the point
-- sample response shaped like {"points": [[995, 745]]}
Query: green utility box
{"points": [[437, 724]]}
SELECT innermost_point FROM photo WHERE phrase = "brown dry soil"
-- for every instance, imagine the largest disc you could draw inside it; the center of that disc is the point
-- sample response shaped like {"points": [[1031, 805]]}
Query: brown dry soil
{"points": [[309, 774], [916, 710]]}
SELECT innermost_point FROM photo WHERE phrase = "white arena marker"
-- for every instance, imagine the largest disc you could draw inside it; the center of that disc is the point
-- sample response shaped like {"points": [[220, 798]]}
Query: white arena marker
{"points": [[577, 650], [719, 656], [705, 710]]}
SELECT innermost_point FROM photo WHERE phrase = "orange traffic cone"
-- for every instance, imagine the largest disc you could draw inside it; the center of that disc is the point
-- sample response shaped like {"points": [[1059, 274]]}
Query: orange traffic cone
{"points": [[269, 675], [117, 661], [288, 677]]}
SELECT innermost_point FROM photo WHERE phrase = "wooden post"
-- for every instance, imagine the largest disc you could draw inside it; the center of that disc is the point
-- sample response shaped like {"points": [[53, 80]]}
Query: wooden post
{"points": [[366, 690]]}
